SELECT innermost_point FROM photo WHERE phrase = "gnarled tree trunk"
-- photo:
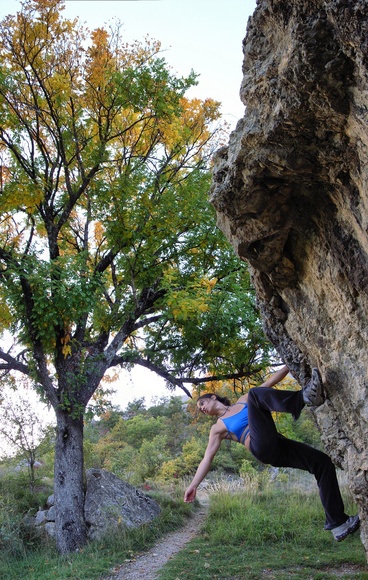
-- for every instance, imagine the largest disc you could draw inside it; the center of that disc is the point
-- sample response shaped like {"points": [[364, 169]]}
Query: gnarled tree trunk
{"points": [[291, 194], [69, 490]]}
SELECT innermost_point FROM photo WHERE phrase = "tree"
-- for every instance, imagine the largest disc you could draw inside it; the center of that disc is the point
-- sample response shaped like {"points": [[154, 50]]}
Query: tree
{"points": [[109, 252], [23, 430]]}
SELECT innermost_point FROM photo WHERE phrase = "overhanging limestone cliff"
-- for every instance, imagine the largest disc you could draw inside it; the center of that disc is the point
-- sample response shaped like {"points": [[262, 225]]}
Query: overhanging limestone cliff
{"points": [[291, 194]]}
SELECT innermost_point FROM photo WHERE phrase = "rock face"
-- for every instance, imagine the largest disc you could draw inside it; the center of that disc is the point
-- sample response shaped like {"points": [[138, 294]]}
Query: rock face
{"points": [[291, 194]]}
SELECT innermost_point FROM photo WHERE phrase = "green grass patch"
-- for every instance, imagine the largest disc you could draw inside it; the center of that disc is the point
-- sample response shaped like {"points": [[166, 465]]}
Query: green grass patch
{"points": [[269, 534], [251, 533], [42, 562]]}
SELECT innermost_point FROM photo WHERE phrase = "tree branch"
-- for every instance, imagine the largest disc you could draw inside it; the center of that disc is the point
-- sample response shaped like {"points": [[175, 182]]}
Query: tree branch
{"points": [[179, 381], [162, 372], [12, 364]]}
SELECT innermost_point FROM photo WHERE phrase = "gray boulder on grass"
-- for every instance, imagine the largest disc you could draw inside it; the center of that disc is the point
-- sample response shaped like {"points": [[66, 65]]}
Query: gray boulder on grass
{"points": [[110, 502]]}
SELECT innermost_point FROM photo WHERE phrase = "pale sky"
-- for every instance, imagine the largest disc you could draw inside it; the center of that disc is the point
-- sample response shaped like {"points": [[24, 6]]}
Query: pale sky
{"points": [[203, 35]]}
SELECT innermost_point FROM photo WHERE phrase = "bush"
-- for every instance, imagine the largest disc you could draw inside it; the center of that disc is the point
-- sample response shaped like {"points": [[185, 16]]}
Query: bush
{"points": [[172, 469], [15, 489], [247, 469]]}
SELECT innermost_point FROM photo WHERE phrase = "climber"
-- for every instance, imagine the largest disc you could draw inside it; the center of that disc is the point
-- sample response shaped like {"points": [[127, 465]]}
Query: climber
{"points": [[249, 421]]}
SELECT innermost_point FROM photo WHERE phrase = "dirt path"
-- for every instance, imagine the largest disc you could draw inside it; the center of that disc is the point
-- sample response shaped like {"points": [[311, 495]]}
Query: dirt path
{"points": [[147, 564]]}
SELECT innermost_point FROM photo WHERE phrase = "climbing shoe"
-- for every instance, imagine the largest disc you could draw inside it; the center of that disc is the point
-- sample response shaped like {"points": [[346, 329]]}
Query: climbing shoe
{"points": [[313, 390], [349, 527]]}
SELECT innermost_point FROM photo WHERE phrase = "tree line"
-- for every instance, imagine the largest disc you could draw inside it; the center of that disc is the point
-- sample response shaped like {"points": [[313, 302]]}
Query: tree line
{"points": [[146, 446]]}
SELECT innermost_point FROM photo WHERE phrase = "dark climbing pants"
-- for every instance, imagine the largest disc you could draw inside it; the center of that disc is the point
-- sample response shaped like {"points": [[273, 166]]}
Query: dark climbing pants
{"points": [[268, 446]]}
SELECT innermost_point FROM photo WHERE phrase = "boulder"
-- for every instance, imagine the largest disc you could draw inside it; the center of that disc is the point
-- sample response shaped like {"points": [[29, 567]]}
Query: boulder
{"points": [[111, 502]]}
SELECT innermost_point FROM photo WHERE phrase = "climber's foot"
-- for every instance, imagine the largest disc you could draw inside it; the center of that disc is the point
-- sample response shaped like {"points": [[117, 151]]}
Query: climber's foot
{"points": [[313, 390], [349, 527]]}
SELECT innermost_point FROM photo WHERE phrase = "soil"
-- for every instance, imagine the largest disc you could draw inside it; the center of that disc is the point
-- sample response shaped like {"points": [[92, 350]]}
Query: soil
{"points": [[146, 565]]}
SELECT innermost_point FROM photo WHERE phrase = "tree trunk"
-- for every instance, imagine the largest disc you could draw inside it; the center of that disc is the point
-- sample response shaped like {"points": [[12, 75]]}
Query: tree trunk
{"points": [[31, 470], [70, 525]]}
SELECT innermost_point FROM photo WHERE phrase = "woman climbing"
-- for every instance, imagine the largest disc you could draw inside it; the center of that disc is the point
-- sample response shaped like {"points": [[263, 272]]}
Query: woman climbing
{"points": [[249, 421]]}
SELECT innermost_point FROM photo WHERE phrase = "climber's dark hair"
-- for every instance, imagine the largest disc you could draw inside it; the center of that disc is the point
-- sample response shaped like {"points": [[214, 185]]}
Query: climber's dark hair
{"points": [[223, 400]]}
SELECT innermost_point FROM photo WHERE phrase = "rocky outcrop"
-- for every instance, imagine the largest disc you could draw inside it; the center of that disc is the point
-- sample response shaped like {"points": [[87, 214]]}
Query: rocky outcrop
{"points": [[110, 502], [291, 194]]}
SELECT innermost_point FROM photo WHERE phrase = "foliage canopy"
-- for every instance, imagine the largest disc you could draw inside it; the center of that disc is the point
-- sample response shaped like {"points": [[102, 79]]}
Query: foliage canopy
{"points": [[108, 247]]}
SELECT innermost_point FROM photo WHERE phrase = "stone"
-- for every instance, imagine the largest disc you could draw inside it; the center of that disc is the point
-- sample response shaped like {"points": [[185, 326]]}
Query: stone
{"points": [[50, 515], [50, 529], [111, 501], [291, 195], [41, 518]]}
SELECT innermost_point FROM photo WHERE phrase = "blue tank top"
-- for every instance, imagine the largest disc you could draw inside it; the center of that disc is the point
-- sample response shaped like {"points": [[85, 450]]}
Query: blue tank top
{"points": [[238, 424]]}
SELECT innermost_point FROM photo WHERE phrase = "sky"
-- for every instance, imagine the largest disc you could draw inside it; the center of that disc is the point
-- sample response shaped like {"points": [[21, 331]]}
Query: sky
{"points": [[203, 35]]}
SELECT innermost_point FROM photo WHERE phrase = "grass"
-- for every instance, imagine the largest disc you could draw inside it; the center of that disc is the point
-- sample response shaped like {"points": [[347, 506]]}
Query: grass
{"points": [[254, 530], [253, 534], [42, 562]]}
